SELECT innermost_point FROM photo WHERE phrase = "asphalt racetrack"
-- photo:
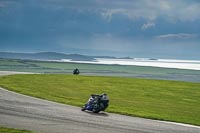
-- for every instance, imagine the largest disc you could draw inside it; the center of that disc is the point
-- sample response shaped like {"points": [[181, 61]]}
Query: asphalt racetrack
{"points": [[24, 112]]}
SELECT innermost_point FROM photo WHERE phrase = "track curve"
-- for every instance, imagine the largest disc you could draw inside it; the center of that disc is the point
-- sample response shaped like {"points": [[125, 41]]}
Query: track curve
{"points": [[20, 111]]}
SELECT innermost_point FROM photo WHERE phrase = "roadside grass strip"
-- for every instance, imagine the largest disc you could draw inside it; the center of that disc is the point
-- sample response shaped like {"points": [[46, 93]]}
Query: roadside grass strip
{"points": [[12, 130]]}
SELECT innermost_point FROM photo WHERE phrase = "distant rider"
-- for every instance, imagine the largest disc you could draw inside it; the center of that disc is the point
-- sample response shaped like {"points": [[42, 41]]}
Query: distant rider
{"points": [[76, 71]]}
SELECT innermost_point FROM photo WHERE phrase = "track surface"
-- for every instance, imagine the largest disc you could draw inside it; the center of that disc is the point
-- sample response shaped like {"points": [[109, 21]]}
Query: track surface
{"points": [[24, 112]]}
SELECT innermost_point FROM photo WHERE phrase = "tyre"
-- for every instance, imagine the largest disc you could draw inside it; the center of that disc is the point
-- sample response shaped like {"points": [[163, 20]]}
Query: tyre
{"points": [[96, 108], [96, 111]]}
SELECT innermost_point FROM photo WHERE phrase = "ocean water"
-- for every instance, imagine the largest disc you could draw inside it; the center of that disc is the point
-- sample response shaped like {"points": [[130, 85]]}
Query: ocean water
{"points": [[163, 63]]}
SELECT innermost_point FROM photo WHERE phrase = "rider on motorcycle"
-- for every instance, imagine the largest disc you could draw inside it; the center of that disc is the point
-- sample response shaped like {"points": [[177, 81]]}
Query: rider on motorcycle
{"points": [[97, 102], [104, 100]]}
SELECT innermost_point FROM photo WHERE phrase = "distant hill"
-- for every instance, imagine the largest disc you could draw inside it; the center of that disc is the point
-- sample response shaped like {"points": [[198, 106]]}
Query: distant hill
{"points": [[50, 56], [45, 56]]}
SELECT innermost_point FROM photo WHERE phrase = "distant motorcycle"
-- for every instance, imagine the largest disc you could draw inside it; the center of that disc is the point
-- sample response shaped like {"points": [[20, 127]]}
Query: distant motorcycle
{"points": [[76, 71], [95, 104]]}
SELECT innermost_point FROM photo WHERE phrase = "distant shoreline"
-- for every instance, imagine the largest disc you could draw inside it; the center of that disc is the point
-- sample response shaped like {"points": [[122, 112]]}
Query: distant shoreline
{"points": [[163, 63], [100, 68]]}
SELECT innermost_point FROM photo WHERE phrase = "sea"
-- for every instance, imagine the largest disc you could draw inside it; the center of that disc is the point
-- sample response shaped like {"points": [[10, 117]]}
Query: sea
{"points": [[163, 63]]}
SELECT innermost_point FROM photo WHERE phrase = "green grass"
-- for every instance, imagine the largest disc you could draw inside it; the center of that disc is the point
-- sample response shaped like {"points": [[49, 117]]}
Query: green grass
{"points": [[12, 130], [155, 99]]}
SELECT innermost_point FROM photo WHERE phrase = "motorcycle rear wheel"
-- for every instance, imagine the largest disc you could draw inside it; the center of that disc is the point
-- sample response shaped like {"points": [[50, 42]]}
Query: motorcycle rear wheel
{"points": [[96, 111], [96, 108]]}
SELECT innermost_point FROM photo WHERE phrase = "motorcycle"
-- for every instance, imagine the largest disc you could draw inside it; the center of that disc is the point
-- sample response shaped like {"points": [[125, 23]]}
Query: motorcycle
{"points": [[94, 104]]}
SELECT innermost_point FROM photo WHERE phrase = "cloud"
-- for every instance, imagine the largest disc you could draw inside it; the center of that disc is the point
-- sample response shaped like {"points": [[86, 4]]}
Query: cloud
{"points": [[108, 14], [170, 10], [177, 36], [148, 25], [150, 10]]}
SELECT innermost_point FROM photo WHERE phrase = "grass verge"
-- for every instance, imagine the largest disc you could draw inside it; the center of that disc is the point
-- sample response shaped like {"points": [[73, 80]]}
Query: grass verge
{"points": [[12, 130], [155, 99]]}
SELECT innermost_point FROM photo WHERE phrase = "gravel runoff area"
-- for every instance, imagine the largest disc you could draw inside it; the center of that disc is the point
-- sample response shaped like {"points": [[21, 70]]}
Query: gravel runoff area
{"points": [[24, 112]]}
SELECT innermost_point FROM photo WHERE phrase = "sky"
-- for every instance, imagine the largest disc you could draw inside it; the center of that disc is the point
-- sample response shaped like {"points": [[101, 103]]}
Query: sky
{"points": [[168, 29]]}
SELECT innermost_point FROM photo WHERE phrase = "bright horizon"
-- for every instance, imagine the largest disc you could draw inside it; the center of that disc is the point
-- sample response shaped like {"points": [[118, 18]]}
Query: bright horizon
{"points": [[163, 63]]}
